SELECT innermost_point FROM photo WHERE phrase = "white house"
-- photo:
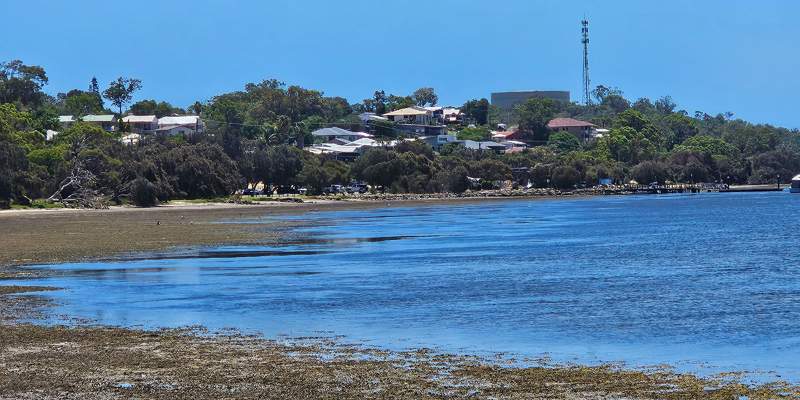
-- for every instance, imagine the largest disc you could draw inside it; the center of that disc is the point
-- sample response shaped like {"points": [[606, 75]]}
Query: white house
{"points": [[191, 122], [172, 130], [333, 133], [141, 123], [411, 115]]}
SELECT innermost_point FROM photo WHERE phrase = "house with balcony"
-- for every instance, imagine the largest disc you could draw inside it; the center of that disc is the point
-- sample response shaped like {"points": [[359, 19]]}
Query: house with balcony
{"points": [[141, 124], [180, 124], [416, 121], [411, 115], [582, 130]]}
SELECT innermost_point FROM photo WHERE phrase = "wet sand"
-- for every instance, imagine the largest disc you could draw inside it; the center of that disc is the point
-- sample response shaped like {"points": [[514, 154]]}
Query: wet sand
{"points": [[85, 361]]}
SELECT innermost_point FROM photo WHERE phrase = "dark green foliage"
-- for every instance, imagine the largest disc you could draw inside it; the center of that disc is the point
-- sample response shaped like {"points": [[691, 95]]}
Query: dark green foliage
{"points": [[565, 177], [650, 171], [199, 171], [13, 165], [491, 170], [773, 166], [533, 116], [563, 142], [450, 180], [79, 103], [22, 84], [143, 193], [476, 134], [151, 107], [477, 111]]}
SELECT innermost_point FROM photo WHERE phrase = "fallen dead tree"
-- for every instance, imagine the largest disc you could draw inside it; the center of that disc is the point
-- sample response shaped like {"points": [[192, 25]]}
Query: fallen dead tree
{"points": [[77, 190]]}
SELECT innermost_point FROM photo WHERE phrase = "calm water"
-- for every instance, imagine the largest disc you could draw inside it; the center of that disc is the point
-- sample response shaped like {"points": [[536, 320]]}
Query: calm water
{"points": [[706, 282]]}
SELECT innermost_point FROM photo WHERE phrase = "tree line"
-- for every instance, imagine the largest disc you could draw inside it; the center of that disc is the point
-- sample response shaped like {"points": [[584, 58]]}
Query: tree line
{"points": [[256, 134]]}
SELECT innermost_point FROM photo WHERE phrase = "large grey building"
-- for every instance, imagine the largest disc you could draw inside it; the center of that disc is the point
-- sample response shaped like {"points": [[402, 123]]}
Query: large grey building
{"points": [[506, 101]]}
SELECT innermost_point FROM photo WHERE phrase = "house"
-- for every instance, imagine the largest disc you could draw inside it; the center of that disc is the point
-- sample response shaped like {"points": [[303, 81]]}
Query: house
{"points": [[191, 122], [580, 129], [411, 115], [438, 141], [332, 133], [368, 117], [338, 151], [106, 121], [65, 120], [143, 124], [485, 145], [514, 144], [172, 130], [452, 115], [501, 136]]}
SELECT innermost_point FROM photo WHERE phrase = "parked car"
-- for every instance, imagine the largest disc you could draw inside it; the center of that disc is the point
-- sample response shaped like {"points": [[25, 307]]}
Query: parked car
{"points": [[333, 189], [252, 192], [357, 188]]}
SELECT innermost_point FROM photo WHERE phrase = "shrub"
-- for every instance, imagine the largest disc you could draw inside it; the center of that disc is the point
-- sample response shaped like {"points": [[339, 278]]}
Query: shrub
{"points": [[144, 193], [650, 171], [565, 177]]}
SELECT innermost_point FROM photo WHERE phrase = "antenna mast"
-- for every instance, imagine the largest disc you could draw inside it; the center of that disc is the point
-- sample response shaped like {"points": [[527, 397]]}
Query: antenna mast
{"points": [[587, 100]]}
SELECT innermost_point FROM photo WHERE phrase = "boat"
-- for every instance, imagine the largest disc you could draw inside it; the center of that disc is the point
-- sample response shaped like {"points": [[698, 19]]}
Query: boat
{"points": [[795, 184]]}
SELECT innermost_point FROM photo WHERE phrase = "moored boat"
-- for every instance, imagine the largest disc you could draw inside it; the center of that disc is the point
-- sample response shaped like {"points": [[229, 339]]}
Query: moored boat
{"points": [[795, 184]]}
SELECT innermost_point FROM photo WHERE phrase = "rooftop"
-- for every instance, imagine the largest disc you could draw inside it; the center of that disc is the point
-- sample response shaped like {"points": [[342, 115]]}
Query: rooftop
{"points": [[414, 110], [140, 118], [99, 118], [568, 123], [179, 120], [336, 131]]}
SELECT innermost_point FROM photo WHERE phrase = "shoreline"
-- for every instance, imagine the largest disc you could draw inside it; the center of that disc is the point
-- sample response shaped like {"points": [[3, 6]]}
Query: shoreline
{"points": [[182, 363]]}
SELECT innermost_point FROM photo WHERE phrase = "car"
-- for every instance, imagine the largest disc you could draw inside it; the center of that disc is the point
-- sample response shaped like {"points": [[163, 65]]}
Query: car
{"points": [[357, 188], [333, 189]]}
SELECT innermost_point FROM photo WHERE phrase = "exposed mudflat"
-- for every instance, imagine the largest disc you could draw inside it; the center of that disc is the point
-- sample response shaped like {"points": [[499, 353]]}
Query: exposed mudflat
{"points": [[103, 363]]}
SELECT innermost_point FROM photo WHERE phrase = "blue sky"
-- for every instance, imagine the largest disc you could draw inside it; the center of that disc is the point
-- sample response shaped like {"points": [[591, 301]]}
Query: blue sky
{"points": [[713, 56]]}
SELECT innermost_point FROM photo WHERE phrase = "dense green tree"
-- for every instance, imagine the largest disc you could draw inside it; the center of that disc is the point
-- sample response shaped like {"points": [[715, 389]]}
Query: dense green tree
{"points": [[13, 165], [491, 170], [94, 87], [477, 111], [21, 83], [650, 171], [425, 97], [79, 103], [565, 177], [199, 171], [680, 128], [533, 116], [710, 145], [563, 142], [120, 92], [477, 134], [152, 107]]}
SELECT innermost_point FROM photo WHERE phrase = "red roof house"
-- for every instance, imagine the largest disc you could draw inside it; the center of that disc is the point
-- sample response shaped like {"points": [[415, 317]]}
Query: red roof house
{"points": [[581, 129]]}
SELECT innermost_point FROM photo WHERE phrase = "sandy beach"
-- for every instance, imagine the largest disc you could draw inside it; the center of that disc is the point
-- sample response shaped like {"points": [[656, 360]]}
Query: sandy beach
{"points": [[87, 361]]}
